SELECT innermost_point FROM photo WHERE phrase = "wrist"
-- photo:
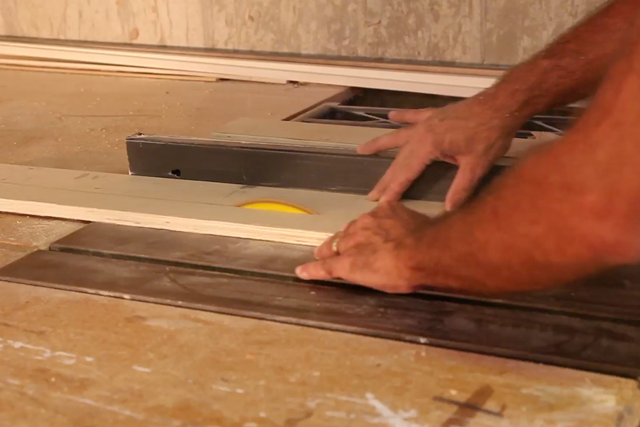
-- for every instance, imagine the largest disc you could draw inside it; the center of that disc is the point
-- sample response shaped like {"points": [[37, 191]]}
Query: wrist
{"points": [[417, 256], [507, 112]]}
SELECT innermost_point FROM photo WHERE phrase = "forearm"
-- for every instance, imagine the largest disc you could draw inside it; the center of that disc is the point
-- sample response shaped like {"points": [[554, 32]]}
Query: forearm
{"points": [[533, 230], [568, 70], [567, 211]]}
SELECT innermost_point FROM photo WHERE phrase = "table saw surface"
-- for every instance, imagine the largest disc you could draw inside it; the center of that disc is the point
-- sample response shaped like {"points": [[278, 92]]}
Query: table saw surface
{"points": [[75, 359]]}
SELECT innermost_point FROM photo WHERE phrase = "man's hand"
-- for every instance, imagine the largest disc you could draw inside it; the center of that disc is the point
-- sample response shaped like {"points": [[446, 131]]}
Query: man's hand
{"points": [[472, 133], [377, 250]]}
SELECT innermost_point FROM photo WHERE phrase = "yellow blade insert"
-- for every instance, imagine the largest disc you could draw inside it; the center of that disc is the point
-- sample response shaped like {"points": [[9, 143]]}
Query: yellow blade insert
{"points": [[276, 205]]}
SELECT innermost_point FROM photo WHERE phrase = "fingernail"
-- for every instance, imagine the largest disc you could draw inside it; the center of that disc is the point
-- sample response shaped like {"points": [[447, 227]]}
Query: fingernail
{"points": [[301, 273]]}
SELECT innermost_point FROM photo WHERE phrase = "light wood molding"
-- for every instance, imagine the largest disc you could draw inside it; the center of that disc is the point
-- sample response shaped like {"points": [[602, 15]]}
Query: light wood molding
{"points": [[190, 206], [407, 81]]}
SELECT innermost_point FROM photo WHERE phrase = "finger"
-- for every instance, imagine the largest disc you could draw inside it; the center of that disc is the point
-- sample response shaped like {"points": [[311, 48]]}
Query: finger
{"points": [[410, 116], [383, 209], [330, 268], [469, 175], [386, 142], [400, 175], [325, 250], [328, 250], [347, 226]]}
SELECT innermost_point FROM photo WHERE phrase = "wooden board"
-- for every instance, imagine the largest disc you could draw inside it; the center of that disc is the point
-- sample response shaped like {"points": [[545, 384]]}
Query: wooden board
{"points": [[602, 346], [340, 135], [375, 63], [168, 76], [276, 165], [407, 81], [72, 67], [614, 295], [81, 66], [198, 207]]}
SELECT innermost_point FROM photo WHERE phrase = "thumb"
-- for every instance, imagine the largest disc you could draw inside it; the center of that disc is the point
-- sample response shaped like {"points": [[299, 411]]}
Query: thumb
{"points": [[469, 175], [410, 116]]}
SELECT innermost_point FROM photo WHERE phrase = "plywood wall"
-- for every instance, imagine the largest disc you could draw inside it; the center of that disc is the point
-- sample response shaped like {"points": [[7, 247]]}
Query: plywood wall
{"points": [[465, 31]]}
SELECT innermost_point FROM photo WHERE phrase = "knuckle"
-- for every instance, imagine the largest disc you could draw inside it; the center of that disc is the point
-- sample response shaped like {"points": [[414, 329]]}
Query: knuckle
{"points": [[338, 268], [348, 227], [400, 185], [366, 219], [385, 206], [327, 270]]}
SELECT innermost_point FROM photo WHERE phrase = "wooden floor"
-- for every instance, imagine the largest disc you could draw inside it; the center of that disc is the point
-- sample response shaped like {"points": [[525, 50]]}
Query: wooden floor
{"points": [[70, 359]]}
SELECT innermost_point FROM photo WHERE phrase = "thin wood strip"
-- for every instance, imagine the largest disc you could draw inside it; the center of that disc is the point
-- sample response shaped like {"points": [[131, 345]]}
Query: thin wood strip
{"points": [[198, 207], [70, 67], [90, 67], [360, 62], [435, 83], [520, 334], [615, 295], [192, 192], [109, 73]]}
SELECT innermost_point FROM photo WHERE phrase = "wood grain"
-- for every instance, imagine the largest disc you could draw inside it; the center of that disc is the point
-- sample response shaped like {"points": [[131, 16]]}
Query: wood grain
{"points": [[163, 365]]}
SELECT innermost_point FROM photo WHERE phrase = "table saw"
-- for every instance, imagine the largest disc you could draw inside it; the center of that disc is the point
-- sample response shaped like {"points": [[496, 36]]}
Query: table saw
{"points": [[84, 352], [592, 325]]}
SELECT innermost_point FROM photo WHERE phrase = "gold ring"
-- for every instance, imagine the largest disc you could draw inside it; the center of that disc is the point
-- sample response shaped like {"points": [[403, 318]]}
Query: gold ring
{"points": [[334, 245]]}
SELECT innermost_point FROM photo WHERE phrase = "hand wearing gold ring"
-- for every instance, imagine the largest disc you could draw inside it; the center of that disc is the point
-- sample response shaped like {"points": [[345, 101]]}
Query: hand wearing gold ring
{"points": [[377, 250], [334, 244]]}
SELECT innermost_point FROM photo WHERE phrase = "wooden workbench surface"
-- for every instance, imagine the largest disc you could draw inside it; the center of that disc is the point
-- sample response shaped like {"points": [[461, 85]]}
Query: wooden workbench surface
{"points": [[75, 359]]}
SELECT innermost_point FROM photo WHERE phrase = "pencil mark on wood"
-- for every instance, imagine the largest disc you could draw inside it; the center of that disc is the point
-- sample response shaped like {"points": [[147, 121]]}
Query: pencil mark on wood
{"points": [[468, 409]]}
